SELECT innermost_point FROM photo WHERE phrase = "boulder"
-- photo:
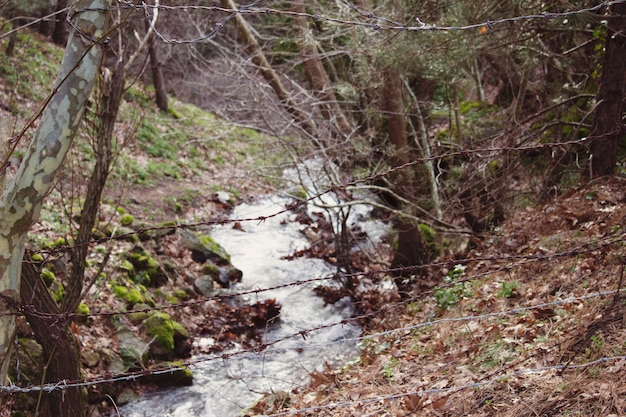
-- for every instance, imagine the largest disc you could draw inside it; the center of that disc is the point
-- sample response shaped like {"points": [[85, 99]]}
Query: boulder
{"points": [[204, 286], [133, 350], [204, 248]]}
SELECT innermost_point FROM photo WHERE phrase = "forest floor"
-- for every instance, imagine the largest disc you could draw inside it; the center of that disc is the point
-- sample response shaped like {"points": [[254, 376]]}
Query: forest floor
{"points": [[526, 323]]}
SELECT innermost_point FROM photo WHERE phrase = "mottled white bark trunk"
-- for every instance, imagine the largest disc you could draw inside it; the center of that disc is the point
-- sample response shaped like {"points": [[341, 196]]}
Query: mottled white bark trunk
{"points": [[21, 203]]}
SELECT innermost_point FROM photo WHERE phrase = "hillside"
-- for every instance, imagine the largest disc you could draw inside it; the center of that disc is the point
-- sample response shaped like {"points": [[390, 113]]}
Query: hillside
{"points": [[531, 322]]}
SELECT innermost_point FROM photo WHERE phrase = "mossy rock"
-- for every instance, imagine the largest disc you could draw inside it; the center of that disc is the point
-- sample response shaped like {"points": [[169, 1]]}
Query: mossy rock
{"points": [[211, 270], [204, 248], [127, 267], [166, 333], [132, 296], [47, 276], [143, 261], [127, 219], [179, 377], [83, 311], [36, 257], [133, 350], [56, 290]]}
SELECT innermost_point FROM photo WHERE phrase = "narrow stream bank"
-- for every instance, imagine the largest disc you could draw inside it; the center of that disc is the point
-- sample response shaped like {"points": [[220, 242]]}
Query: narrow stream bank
{"points": [[225, 387]]}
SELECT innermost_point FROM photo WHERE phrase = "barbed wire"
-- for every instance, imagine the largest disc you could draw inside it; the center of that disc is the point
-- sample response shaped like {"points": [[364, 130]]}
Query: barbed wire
{"points": [[273, 346], [453, 389]]}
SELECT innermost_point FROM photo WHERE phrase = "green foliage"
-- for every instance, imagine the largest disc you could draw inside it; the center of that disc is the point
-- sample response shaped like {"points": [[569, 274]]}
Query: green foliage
{"points": [[451, 295], [508, 289], [388, 369]]}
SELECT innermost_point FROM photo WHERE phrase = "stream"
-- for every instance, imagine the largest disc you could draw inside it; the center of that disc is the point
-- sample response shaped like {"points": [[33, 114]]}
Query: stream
{"points": [[225, 387]]}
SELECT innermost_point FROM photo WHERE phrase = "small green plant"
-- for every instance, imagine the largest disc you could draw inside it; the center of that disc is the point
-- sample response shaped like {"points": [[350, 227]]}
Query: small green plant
{"points": [[388, 369], [508, 289], [451, 295]]}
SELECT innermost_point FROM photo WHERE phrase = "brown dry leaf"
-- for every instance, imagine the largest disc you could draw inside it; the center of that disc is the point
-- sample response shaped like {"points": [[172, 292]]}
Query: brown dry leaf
{"points": [[440, 403], [413, 402]]}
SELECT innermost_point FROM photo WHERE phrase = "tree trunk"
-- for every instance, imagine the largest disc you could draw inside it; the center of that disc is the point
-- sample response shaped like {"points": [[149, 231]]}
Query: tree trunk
{"points": [[272, 78], [21, 203], [112, 88], [59, 34], [412, 250], [60, 347], [45, 25], [608, 123], [316, 74], [157, 75]]}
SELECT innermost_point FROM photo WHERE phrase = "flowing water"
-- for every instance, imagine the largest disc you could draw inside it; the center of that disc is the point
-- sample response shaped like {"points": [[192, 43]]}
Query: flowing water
{"points": [[224, 387]]}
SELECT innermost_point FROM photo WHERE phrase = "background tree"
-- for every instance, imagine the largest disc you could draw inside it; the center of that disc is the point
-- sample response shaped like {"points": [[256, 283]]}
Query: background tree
{"points": [[609, 115]]}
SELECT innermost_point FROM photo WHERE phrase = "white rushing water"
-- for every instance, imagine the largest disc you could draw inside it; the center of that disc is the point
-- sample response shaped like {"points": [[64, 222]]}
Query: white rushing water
{"points": [[224, 387]]}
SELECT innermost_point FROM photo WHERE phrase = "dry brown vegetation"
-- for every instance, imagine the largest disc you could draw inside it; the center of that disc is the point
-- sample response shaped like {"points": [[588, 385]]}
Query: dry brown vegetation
{"points": [[519, 341]]}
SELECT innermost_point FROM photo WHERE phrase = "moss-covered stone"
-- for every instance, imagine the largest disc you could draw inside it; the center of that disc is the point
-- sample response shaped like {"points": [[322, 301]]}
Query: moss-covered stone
{"points": [[127, 219], [179, 376], [209, 243], [83, 310], [164, 330], [211, 270], [47, 276], [143, 261], [127, 267], [56, 290], [36, 257], [132, 296]]}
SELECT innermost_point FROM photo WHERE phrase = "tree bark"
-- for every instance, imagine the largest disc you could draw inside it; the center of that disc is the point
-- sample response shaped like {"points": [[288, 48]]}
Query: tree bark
{"points": [[412, 250], [316, 74], [60, 347], [21, 203], [268, 73], [59, 34], [157, 74], [608, 123], [110, 100]]}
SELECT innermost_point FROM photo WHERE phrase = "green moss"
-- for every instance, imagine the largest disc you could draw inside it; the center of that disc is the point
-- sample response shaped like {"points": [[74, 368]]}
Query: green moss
{"points": [[127, 219], [127, 267], [211, 270], [132, 296], [56, 290], [430, 237], [47, 276], [53, 244], [210, 243], [83, 309], [142, 261], [36, 257], [162, 328], [180, 294]]}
